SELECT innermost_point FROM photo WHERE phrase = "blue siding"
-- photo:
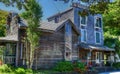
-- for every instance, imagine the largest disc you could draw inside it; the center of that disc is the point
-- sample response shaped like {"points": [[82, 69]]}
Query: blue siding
{"points": [[90, 27]]}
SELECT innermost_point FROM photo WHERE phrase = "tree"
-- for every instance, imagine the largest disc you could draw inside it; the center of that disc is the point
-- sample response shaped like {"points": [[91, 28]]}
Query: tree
{"points": [[3, 15], [112, 17], [33, 16], [111, 21]]}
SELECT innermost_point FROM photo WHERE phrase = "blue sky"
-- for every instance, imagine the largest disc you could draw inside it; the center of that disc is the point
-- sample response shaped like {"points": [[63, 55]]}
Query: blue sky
{"points": [[49, 7]]}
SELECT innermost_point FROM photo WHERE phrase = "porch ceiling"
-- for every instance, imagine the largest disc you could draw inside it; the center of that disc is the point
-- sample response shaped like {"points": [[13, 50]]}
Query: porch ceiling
{"points": [[10, 38], [95, 47]]}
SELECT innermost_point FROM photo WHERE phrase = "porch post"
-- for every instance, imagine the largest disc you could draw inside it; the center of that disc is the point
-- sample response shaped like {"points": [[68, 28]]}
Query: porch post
{"points": [[16, 61], [111, 58], [89, 57]]}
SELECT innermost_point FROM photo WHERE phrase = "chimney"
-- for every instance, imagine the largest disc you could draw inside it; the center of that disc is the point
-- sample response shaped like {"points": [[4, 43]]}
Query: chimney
{"points": [[75, 4]]}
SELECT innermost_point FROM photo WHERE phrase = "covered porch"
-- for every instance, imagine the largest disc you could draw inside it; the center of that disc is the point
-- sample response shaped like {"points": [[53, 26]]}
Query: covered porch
{"points": [[96, 56], [9, 48]]}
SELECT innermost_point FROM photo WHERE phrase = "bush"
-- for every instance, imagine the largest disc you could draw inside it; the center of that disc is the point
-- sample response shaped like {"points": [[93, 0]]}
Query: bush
{"points": [[5, 68], [29, 71], [20, 71], [64, 66], [79, 66], [116, 65]]}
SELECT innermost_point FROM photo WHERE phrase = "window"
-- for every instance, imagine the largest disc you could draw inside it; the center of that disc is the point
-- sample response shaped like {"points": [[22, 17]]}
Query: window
{"points": [[83, 35], [83, 20], [97, 35], [98, 22], [56, 19]]}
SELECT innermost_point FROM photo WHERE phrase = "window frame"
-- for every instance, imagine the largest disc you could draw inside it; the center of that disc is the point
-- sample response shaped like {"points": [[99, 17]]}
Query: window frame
{"points": [[99, 37], [85, 21], [95, 21], [81, 36]]}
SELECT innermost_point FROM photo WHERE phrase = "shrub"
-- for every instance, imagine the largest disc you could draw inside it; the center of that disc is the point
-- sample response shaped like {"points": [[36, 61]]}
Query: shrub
{"points": [[79, 66], [116, 65], [29, 71], [64, 66], [5, 68], [20, 71]]}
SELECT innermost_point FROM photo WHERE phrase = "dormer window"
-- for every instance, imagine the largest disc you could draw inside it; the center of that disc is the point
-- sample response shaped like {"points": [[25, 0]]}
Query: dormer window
{"points": [[56, 19], [83, 20], [98, 22]]}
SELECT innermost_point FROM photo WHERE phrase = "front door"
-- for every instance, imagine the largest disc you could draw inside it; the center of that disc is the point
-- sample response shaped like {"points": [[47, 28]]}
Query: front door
{"points": [[98, 57]]}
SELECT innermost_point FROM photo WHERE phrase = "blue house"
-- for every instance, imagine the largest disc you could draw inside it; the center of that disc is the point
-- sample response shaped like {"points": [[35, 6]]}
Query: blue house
{"points": [[91, 39], [64, 36]]}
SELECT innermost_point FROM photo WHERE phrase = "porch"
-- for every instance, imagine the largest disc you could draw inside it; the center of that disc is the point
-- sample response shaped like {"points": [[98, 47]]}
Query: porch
{"points": [[96, 56], [8, 49]]}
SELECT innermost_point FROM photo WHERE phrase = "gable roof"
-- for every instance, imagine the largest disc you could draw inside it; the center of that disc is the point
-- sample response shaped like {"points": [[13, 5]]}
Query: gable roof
{"points": [[59, 13], [69, 9], [53, 27]]}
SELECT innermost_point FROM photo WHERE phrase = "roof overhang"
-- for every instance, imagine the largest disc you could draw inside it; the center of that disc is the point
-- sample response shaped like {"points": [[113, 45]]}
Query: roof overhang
{"points": [[10, 38], [95, 47]]}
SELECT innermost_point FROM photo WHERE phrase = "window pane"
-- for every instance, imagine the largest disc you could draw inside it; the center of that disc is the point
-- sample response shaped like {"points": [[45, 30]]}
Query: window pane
{"points": [[83, 20], [98, 22], [83, 36], [97, 37]]}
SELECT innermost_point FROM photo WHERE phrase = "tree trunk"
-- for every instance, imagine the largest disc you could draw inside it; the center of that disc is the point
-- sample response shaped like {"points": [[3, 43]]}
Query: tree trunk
{"points": [[31, 56]]}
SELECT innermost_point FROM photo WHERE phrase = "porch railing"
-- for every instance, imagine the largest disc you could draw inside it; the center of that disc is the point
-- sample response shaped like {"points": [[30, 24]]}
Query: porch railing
{"points": [[9, 59], [94, 62]]}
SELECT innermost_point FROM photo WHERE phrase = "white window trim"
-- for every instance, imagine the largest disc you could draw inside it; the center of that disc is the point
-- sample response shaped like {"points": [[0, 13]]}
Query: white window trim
{"points": [[86, 21], [86, 36], [95, 17], [95, 37]]}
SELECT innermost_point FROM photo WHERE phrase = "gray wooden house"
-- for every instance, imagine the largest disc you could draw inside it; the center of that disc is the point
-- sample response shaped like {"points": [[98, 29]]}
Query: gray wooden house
{"points": [[65, 36]]}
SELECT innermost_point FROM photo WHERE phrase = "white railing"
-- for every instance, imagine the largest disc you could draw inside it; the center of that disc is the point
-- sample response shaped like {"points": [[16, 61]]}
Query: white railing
{"points": [[9, 59]]}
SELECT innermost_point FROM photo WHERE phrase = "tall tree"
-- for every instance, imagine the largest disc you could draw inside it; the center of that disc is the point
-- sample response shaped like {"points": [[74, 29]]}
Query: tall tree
{"points": [[33, 16], [111, 21]]}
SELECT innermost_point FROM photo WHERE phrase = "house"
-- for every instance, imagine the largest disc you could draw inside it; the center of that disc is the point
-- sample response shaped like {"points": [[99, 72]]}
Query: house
{"points": [[65, 36], [91, 41]]}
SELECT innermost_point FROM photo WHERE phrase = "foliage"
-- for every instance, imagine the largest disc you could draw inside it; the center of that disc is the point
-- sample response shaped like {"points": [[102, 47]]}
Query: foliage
{"points": [[29, 71], [111, 21], [33, 16], [80, 66], [64, 66], [5, 68], [117, 47], [20, 71], [116, 65], [112, 17], [18, 3], [3, 15]]}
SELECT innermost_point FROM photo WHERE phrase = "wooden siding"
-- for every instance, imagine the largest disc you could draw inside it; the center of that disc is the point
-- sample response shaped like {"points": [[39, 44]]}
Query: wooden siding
{"points": [[52, 47]]}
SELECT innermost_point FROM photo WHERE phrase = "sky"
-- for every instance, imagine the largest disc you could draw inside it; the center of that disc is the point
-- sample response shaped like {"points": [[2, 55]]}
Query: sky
{"points": [[49, 7]]}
